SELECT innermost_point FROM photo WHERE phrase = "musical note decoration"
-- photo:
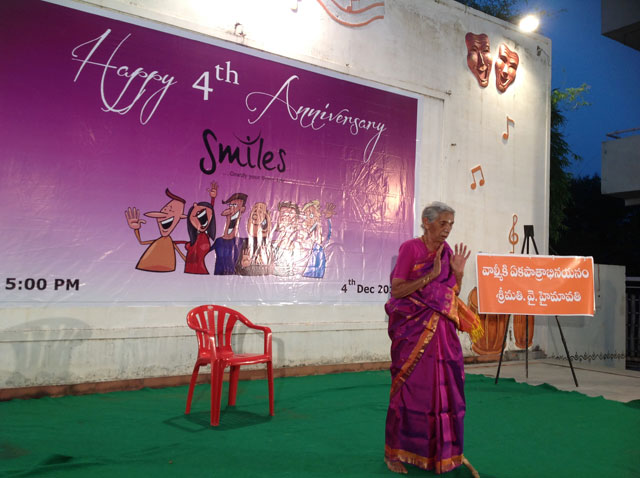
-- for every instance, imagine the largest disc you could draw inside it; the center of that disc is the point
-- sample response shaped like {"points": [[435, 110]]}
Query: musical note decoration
{"points": [[513, 235], [505, 136], [474, 170]]}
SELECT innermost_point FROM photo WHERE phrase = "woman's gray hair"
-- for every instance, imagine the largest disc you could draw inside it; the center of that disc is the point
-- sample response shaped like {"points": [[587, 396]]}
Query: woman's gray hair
{"points": [[433, 210]]}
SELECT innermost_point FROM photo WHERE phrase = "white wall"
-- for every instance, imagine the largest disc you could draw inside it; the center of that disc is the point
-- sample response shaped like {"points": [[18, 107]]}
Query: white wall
{"points": [[418, 46], [52, 346], [598, 340]]}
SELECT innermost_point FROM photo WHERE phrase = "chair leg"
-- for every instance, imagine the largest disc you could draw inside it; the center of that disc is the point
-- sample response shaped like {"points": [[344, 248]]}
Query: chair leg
{"points": [[217, 371], [270, 380], [192, 384], [234, 374]]}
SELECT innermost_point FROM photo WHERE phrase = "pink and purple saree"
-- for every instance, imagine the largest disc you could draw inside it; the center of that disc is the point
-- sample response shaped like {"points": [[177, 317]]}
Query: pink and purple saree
{"points": [[427, 405]]}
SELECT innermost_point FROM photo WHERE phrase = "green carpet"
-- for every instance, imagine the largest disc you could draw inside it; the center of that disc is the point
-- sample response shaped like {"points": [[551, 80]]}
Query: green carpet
{"points": [[324, 426]]}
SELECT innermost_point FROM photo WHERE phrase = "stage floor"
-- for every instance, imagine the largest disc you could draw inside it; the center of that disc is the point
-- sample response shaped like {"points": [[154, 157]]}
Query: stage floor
{"points": [[593, 381], [328, 425]]}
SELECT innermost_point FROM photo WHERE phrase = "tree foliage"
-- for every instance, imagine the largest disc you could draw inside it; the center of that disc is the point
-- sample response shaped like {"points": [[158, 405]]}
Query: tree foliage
{"points": [[600, 226], [502, 9], [561, 158]]}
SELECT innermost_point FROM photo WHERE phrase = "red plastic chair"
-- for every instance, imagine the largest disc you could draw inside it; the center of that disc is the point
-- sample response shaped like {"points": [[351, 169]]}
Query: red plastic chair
{"points": [[213, 325]]}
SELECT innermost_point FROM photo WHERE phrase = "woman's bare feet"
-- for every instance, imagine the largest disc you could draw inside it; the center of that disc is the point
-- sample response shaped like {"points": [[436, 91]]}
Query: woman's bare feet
{"points": [[395, 466], [473, 471]]}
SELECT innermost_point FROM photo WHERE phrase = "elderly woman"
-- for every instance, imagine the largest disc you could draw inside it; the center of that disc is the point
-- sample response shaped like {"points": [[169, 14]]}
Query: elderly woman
{"points": [[427, 406]]}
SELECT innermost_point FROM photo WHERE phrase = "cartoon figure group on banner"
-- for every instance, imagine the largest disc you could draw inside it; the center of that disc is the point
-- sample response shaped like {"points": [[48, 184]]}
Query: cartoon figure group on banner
{"points": [[295, 247]]}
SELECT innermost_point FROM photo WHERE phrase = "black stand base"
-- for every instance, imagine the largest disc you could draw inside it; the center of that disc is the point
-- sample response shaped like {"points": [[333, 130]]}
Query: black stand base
{"points": [[529, 236], [564, 343]]}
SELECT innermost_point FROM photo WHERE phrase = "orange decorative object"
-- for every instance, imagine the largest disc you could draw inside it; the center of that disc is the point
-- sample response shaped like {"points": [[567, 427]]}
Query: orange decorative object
{"points": [[505, 136], [213, 325], [353, 17], [506, 66], [494, 327], [479, 57], [520, 330], [513, 235], [535, 285], [475, 170]]}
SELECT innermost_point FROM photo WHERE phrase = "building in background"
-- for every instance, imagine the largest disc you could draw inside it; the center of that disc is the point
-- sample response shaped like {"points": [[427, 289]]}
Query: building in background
{"points": [[621, 154]]}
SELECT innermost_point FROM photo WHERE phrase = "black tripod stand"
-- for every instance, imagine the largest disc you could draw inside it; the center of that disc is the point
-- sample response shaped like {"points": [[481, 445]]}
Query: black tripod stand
{"points": [[528, 234]]}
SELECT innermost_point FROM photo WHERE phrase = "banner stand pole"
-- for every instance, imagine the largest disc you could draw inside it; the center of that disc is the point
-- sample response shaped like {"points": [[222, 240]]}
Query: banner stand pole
{"points": [[528, 234], [526, 349], [504, 341], [564, 342]]}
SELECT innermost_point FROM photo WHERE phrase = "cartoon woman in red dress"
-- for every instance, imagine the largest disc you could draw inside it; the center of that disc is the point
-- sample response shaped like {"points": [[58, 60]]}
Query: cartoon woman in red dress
{"points": [[201, 227]]}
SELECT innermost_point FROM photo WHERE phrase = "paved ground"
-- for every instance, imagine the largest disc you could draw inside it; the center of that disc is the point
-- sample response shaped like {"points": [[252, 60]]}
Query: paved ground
{"points": [[612, 384]]}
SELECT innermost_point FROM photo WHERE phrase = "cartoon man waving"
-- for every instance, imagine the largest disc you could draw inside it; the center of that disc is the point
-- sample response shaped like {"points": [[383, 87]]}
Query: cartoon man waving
{"points": [[160, 256]]}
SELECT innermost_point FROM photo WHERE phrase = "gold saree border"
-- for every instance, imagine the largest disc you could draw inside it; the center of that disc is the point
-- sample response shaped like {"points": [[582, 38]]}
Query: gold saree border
{"points": [[452, 310], [426, 463], [416, 354], [450, 313]]}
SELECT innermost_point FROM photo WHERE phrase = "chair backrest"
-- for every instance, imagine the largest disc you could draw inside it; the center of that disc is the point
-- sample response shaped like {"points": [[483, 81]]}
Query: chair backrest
{"points": [[216, 321]]}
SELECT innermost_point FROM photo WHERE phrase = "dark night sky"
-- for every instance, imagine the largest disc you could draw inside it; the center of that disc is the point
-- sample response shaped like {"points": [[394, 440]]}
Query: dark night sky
{"points": [[581, 54]]}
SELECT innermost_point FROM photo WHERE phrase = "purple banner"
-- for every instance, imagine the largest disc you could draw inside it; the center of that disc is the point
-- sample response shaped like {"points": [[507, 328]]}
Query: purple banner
{"points": [[142, 166]]}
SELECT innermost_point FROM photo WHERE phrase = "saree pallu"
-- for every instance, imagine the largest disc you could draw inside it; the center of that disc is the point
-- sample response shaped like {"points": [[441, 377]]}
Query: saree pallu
{"points": [[424, 424]]}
